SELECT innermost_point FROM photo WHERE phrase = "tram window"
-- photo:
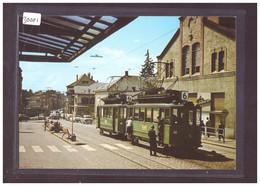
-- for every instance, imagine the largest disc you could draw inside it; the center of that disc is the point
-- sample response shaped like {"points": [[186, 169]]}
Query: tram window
{"points": [[174, 116], [105, 112], [148, 117], [100, 112], [167, 116], [136, 114], [121, 113], [116, 112], [155, 114], [191, 117], [109, 112], [142, 111], [130, 112], [162, 113], [124, 112]]}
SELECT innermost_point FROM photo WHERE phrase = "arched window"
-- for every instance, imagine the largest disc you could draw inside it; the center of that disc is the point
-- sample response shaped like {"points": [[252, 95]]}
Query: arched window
{"points": [[185, 60], [221, 61], [84, 100], [213, 62], [195, 58], [171, 69]]}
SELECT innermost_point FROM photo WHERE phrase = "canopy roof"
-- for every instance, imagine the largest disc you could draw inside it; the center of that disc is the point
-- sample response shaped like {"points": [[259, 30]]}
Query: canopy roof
{"points": [[64, 38]]}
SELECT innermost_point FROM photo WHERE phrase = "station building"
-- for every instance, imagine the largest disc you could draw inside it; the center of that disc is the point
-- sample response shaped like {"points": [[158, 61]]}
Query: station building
{"points": [[201, 59]]}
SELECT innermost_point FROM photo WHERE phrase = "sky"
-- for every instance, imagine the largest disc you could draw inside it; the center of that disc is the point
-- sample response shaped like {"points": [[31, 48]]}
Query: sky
{"points": [[122, 51]]}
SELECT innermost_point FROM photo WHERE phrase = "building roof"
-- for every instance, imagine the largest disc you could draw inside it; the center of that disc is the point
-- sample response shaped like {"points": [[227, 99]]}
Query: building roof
{"points": [[228, 32], [125, 81], [88, 89], [168, 46], [64, 38], [75, 83]]}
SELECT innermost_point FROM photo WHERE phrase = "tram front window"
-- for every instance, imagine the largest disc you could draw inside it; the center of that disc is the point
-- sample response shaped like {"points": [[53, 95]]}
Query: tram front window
{"points": [[191, 117], [184, 117]]}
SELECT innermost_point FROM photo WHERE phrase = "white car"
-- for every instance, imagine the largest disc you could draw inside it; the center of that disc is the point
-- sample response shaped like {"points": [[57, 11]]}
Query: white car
{"points": [[86, 119], [76, 118]]}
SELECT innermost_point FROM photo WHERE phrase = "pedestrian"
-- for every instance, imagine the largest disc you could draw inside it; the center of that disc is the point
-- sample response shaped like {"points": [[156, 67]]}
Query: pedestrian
{"points": [[45, 124], [221, 131], [202, 127], [160, 129], [207, 128], [152, 140], [129, 127]]}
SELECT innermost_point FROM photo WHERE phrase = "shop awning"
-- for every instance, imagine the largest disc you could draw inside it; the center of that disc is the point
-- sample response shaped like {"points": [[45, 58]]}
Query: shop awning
{"points": [[64, 38]]}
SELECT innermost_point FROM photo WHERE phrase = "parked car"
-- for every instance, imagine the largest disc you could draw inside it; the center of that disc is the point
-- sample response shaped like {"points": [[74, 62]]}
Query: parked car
{"points": [[86, 119], [23, 117], [68, 116], [76, 118], [41, 117], [55, 115]]}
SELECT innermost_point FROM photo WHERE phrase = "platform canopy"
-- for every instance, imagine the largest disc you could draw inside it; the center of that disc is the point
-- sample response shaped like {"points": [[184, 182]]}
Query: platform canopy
{"points": [[64, 38]]}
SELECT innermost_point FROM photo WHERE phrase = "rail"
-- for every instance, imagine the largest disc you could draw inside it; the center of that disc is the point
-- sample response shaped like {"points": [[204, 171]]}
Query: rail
{"points": [[212, 131]]}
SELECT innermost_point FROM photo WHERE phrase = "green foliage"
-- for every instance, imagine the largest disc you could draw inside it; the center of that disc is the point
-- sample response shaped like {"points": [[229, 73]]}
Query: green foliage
{"points": [[147, 67], [149, 84]]}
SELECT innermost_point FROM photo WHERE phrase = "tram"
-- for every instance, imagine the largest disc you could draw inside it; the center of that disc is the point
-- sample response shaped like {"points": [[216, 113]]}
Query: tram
{"points": [[181, 118]]}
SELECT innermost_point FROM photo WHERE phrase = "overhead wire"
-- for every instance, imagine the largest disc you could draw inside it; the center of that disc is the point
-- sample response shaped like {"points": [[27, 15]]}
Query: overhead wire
{"points": [[135, 49]]}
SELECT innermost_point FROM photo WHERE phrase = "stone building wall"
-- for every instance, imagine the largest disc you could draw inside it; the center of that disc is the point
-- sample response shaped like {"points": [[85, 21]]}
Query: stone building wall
{"points": [[206, 82]]}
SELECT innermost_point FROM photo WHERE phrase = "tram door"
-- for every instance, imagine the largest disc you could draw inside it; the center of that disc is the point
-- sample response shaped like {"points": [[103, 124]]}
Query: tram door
{"points": [[121, 120], [165, 132]]}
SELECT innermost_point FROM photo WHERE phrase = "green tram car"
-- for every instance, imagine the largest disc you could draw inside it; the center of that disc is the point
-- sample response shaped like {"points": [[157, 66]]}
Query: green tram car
{"points": [[181, 120]]}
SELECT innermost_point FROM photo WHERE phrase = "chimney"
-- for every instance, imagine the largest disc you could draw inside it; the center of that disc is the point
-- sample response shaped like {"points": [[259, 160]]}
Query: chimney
{"points": [[91, 77], [126, 73], [89, 74], [77, 77]]}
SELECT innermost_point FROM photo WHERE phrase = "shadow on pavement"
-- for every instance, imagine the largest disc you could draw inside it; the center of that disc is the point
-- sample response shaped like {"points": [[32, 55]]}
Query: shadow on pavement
{"points": [[199, 154]]}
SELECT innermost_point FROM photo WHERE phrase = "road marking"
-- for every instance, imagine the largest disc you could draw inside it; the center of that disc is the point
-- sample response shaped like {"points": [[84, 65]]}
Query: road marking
{"points": [[87, 147], [70, 149], [37, 149], [124, 146], [22, 149], [53, 148], [109, 147]]}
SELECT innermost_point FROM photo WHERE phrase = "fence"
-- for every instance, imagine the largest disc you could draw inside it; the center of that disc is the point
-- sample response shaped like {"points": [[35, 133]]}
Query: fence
{"points": [[212, 131]]}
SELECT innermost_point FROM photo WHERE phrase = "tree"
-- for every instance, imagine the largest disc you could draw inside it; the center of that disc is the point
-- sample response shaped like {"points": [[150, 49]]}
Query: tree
{"points": [[147, 72], [147, 67]]}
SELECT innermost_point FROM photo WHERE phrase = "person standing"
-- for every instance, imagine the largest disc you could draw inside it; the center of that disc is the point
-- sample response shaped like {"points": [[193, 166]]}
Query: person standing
{"points": [[160, 129], [202, 127], [207, 128], [221, 131], [129, 127], [152, 140], [45, 124]]}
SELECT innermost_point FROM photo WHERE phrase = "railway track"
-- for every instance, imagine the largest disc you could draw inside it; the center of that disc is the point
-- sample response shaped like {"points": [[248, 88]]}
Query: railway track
{"points": [[97, 140]]}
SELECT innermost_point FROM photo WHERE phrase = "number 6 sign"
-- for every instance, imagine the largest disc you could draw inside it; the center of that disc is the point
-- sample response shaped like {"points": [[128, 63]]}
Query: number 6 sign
{"points": [[184, 95]]}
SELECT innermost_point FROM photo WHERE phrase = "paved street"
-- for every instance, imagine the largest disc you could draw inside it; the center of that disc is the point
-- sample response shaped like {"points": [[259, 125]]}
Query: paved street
{"points": [[42, 149]]}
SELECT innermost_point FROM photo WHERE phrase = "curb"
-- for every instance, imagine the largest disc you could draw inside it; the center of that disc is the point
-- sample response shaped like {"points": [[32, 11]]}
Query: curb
{"points": [[218, 144], [67, 141]]}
